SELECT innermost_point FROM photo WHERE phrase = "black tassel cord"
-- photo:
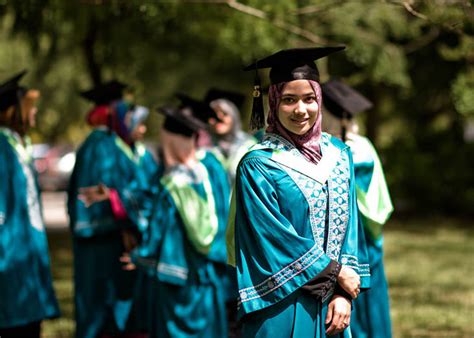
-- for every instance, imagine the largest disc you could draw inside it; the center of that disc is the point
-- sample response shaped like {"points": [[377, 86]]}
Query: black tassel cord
{"points": [[257, 120]]}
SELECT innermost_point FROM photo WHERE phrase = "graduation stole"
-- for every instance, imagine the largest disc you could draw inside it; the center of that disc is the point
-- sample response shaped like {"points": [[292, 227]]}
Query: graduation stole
{"points": [[25, 157], [24, 151], [198, 213], [127, 150], [373, 201], [332, 171]]}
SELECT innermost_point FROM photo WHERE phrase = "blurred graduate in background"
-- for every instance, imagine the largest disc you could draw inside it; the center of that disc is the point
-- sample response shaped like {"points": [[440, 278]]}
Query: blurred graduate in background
{"points": [[26, 291], [110, 159], [230, 142], [371, 310], [184, 246]]}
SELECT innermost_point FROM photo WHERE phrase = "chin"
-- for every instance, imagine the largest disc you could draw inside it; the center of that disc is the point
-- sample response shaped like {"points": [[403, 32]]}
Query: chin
{"points": [[299, 131], [222, 131]]}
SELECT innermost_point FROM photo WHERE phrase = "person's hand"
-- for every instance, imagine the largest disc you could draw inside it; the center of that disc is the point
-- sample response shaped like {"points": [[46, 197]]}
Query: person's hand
{"points": [[349, 280], [129, 240], [94, 194], [127, 262], [338, 316]]}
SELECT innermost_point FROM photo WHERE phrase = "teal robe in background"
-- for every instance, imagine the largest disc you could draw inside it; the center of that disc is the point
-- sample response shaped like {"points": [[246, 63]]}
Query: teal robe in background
{"points": [[184, 249], [140, 319], [104, 292], [371, 310], [291, 219], [231, 157], [145, 160], [26, 290]]}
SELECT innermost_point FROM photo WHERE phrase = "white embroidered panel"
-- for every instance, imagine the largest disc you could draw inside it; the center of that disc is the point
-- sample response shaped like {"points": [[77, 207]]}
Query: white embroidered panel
{"points": [[315, 193]]}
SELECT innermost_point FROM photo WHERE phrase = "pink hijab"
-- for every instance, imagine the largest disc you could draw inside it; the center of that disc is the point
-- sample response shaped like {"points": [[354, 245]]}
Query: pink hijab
{"points": [[308, 143]]}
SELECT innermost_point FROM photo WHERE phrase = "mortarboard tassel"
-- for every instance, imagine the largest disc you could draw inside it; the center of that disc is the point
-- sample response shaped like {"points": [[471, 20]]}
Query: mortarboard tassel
{"points": [[257, 120]]}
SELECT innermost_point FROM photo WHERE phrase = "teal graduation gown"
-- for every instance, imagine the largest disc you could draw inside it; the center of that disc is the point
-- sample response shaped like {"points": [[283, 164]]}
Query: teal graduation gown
{"points": [[145, 160], [26, 290], [103, 291], [371, 310], [184, 249], [291, 219], [140, 320]]}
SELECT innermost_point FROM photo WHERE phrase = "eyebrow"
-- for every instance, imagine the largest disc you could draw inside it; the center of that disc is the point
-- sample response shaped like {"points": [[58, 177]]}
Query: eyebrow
{"points": [[292, 94]]}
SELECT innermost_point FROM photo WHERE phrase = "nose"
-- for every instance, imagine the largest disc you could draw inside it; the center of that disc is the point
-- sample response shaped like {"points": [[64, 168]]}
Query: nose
{"points": [[300, 107]]}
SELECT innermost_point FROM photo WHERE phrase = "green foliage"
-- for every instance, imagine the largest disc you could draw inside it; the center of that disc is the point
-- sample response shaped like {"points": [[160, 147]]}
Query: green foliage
{"points": [[414, 59], [463, 93]]}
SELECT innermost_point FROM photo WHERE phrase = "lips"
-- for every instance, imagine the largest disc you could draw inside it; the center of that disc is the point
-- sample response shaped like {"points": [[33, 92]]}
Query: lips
{"points": [[299, 122]]}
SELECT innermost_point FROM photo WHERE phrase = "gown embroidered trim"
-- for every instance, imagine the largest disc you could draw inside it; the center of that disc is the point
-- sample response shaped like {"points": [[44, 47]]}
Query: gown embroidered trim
{"points": [[335, 189]]}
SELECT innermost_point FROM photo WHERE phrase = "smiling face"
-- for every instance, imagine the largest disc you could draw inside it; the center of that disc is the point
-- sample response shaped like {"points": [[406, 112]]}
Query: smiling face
{"points": [[298, 107]]}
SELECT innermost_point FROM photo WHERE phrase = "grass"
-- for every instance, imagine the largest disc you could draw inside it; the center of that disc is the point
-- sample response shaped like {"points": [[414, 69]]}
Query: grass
{"points": [[430, 269], [429, 264], [60, 247]]}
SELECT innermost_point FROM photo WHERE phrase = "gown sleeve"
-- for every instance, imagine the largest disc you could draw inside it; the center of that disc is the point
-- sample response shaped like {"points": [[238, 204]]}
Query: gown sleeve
{"points": [[98, 162], [272, 259]]}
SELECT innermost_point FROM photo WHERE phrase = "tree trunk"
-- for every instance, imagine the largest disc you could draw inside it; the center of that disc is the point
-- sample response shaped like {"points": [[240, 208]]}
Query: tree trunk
{"points": [[88, 45]]}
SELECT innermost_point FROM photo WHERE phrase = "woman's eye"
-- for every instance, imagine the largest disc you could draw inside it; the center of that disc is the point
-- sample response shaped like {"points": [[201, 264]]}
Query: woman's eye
{"points": [[310, 99], [288, 100]]}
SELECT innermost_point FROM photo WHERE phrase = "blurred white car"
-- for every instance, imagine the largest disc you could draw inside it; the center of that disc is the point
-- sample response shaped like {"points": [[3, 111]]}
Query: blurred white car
{"points": [[54, 165]]}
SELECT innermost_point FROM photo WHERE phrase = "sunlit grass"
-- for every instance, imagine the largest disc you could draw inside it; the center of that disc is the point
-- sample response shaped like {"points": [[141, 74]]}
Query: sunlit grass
{"points": [[61, 261], [429, 263]]}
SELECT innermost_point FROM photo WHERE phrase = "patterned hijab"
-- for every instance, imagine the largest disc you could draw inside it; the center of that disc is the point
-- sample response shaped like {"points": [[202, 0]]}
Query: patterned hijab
{"points": [[308, 143], [119, 116]]}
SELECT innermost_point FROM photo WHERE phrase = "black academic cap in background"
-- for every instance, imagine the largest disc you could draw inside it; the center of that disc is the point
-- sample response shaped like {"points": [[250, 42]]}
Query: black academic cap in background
{"points": [[181, 120], [11, 91], [339, 98], [200, 109], [105, 93], [236, 98], [294, 64]]}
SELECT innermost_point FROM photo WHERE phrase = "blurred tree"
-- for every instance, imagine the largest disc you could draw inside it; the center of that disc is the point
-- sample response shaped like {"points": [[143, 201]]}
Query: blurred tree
{"points": [[414, 59]]}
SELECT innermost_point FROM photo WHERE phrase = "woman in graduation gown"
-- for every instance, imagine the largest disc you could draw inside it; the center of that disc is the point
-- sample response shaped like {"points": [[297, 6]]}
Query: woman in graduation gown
{"points": [[230, 144], [371, 310], [139, 319], [104, 293], [26, 291], [295, 240], [184, 247]]}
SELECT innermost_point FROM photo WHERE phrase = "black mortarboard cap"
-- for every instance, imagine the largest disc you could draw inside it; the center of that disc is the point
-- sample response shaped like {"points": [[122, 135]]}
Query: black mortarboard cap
{"points": [[181, 121], [343, 101], [294, 64], [105, 93], [286, 65], [200, 109], [236, 98], [11, 92]]}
